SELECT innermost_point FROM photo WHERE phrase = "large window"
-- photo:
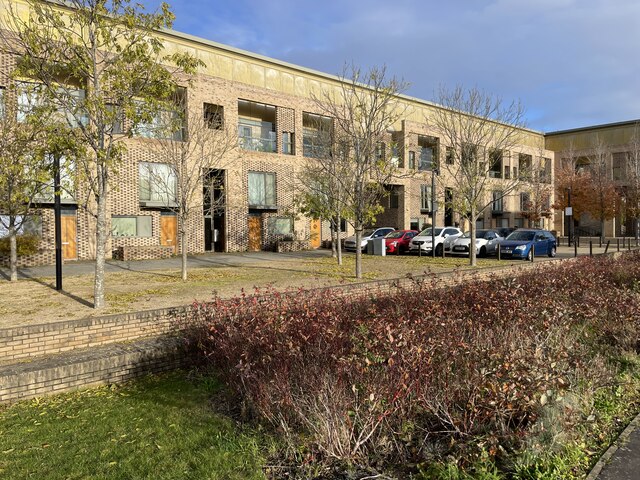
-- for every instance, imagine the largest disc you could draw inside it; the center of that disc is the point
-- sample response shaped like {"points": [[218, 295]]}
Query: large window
{"points": [[262, 190], [213, 116], [425, 198], [29, 225], [495, 163], [316, 135], [158, 185], [497, 201], [67, 182], [280, 225], [428, 152], [131, 226], [524, 163], [68, 101], [256, 126]]}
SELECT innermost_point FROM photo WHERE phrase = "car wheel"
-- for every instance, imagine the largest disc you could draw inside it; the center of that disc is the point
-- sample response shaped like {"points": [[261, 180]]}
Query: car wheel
{"points": [[483, 252], [552, 252], [439, 250], [530, 255]]}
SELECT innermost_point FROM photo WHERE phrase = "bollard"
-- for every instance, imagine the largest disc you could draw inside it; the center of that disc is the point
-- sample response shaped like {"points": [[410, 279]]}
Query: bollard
{"points": [[533, 252], [591, 248], [607, 247], [575, 249], [600, 242], [443, 250], [618, 244], [498, 252]]}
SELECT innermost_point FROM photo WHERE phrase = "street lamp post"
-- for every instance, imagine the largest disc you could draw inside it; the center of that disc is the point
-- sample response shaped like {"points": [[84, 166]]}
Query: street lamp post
{"points": [[569, 214]]}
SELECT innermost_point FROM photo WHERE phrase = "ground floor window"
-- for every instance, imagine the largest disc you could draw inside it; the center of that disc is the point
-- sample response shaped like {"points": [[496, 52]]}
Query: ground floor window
{"points": [[131, 226], [281, 225]]}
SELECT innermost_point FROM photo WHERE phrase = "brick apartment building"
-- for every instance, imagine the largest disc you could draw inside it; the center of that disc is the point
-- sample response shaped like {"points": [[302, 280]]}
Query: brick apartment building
{"points": [[271, 103]]}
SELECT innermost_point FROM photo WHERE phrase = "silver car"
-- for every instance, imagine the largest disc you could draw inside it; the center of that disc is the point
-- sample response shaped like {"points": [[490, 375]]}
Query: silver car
{"points": [[350, 242], [487, 243]]}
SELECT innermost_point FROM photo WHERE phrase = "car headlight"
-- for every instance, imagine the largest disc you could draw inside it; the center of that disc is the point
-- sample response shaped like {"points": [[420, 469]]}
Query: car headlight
{"points": [[521, 247]]}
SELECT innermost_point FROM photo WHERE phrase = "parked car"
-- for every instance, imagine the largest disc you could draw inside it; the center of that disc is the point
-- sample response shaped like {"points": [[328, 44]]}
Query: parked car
{"points": [[399, 240], [525, 242], [422, 241], [350, 242], [505, 231], [487, 243]]}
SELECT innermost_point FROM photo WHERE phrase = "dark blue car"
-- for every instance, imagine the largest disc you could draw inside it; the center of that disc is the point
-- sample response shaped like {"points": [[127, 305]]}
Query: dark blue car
{"points": [[525, 242]]}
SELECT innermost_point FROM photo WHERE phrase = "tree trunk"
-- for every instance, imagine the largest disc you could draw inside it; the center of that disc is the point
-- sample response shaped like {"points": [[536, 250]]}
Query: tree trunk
{"points": [[338, 242], [472, 243], [183, 251], [637, 228], [13, 252], [602, 230], [358, 251], [334, 236], [101, 240]]}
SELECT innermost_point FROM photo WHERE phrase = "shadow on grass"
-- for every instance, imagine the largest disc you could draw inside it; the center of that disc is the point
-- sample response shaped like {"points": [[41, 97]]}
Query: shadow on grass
{"points": [[52, 286]]}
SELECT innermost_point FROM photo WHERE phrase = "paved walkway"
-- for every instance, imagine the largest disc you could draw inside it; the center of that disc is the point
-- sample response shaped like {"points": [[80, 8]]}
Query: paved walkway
{"points": [[622, 460]]}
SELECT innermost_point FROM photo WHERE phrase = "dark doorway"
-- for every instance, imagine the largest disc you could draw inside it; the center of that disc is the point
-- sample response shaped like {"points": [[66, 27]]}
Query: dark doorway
{"points": [[214, 210], [448, 207]]}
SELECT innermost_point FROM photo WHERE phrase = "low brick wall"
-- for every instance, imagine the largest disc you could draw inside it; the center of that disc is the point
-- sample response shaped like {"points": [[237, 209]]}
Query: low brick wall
{"points": [[283, 246], [30, 341], [105, 365], [142, 252], [43, 257]]}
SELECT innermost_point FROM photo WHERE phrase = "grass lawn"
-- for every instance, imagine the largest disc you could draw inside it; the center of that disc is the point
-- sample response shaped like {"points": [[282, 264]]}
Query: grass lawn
{"points": [[158, 428]]}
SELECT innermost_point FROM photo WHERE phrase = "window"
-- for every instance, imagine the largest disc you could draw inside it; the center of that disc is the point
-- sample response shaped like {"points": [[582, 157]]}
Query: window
{"points": [[131, 226], [158, 185], [495, 164], [164, 123], [414, 224], [450, 156], [515, 172], [29, 225], [287, 143], [469, 153], [67, 182], [280, 225], [518, 222], [524, 162], [115, 116], [213, 116], [525, 202], [545, 170], [396, 159], [428, 152], [68, 101], [425, 198], [316, 135], [256, 126], [394, 196], [507, 172], [262, 190], [412, 160], [380, 149], [497, 201], [619, 161], [29, 98]]}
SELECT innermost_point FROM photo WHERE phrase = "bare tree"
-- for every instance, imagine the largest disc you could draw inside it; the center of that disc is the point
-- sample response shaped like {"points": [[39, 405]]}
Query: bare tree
{"points": [[479, 131], [325, 180], [537, 191], [208, 143], [605, 195], [364, 109], [99, 62], [632, 187]]}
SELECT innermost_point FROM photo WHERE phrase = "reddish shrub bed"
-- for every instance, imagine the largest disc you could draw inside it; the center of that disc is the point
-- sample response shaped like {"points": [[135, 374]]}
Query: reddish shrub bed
{"points": [[425, 372]]}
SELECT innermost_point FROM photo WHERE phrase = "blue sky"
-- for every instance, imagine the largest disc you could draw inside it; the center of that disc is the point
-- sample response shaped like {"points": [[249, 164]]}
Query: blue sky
{"points": [[572, 63]]}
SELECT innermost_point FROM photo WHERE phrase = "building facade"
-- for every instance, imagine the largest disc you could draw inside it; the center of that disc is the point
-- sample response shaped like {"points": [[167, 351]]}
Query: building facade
{"points": [[247, 201]]}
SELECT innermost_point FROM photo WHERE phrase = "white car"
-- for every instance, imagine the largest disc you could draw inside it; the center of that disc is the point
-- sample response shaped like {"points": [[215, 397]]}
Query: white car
{"points": [[350, 242], [422, 242], [487, 243]]}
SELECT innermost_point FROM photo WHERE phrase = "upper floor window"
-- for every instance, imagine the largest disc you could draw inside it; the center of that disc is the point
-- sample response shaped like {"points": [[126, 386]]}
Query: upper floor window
{"points": [[288, 143], [412, 160], [469, 153], [380, 150], [450, 156], [396, 159], [495, 164], [524, 162], [525, 202], [163, 124], [428, 152], [425, 198], [316, 135], [262, 190], [619, 161], [256, 126], [67, 102], [157, 185], [46, 193], [497, 201], [213, 116]]}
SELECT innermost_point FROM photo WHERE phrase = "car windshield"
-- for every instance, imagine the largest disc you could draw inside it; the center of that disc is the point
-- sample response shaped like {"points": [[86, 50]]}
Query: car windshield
{"points": [[394, 235], [367, 233], [520, 235], [427, 232]]}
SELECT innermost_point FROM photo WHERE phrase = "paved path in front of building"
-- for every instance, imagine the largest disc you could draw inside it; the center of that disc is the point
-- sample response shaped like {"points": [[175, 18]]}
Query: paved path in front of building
{"points": [[622, 460]]}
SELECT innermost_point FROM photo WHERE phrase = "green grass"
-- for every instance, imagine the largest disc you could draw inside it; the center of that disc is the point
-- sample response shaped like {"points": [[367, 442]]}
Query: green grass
{"points": [[157, 428]]}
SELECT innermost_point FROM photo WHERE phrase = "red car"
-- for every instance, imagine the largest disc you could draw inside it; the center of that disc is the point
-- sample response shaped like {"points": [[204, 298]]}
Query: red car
{"points": [[398, 241]]}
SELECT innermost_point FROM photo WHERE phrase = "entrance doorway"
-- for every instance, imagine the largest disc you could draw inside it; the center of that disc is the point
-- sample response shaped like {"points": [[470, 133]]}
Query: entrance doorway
{"points": [[69, 236], [169, 231], [213, 206], [315, 235], [255, 233]]}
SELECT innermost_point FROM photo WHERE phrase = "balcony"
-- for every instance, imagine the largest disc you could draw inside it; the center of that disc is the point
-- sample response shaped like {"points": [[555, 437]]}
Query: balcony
{"points": [[258, 143], [256, 126]]}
